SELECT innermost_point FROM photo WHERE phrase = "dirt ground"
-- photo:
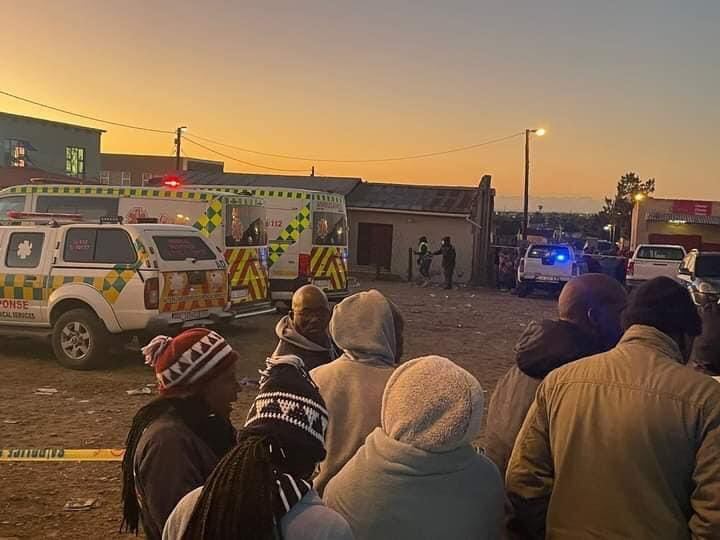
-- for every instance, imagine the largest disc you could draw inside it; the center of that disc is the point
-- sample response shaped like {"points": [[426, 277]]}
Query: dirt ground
{"points": [[477, 328]]}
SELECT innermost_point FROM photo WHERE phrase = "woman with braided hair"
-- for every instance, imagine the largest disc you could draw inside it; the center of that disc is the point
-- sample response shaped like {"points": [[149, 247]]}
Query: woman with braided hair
{"points": [[261, 489], [176, 440]]}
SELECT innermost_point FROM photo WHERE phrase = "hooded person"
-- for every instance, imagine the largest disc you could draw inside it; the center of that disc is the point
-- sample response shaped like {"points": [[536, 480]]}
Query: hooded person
{"points": [[368, 328], [418, 475], [706, 347], [261, 489], [304, 331], [589, 322], [176, 440], [624, 444]]}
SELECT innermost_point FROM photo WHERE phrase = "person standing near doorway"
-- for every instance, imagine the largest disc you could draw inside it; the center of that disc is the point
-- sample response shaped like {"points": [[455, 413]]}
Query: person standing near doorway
{"points": [[424, 259], [447, 250]]}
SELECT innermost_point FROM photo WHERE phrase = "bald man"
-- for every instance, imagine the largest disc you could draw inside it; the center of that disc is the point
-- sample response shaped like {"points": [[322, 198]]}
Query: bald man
{"points": [[589, 323], [304, 331]]}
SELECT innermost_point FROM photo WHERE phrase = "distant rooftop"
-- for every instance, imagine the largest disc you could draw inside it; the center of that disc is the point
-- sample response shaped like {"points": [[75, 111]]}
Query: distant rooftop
{"points": [[332, 184], [413, 198], [45, 121]]}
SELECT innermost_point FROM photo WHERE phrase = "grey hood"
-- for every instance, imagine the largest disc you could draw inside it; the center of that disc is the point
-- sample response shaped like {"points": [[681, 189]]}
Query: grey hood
{"points": [[362, 326], [285, 330]]}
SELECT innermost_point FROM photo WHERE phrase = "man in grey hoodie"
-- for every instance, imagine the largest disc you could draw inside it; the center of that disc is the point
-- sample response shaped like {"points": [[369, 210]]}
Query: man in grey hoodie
{"points": [[369, 330], [418, 475], [304, 331], [589, 308]]}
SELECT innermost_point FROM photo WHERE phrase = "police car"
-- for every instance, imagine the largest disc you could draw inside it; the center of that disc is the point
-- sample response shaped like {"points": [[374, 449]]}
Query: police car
{"points": [[547, 267], [83, 284]]}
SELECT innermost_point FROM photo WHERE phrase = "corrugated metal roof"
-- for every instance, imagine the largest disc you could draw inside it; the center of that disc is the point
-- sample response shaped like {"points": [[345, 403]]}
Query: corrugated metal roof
{"points": [[449, 200], [683, 218], [46, 121], [332, 184]]}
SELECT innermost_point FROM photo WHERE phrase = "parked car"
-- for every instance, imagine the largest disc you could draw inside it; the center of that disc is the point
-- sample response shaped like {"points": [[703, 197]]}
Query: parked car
{"points": [[87, 286], [650, 261], [700, 271], [548, 267]]}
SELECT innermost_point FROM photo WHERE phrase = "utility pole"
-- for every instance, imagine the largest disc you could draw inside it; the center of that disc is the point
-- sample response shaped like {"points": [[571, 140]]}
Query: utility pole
{"points": [[178, 140], [526, 196]]}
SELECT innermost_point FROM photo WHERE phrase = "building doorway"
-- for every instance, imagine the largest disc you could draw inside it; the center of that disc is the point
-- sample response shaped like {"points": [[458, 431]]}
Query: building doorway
{"points": [[375, 245]]}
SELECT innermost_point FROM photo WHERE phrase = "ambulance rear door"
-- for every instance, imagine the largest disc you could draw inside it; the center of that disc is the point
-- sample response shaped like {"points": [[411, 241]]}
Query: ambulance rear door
{"points": [[287, 218], [25, 259]]}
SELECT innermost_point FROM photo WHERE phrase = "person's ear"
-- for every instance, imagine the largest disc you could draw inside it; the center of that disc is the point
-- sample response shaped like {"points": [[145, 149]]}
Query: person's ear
{"points": [[593, 317]]}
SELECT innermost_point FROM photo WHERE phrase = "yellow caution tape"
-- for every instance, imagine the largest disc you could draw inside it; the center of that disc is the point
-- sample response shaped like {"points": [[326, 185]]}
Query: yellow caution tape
{"points": [[61, 454]]}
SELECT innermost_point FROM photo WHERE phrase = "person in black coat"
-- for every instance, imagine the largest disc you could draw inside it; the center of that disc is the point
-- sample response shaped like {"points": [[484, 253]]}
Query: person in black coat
{"points": [[447, 250]]}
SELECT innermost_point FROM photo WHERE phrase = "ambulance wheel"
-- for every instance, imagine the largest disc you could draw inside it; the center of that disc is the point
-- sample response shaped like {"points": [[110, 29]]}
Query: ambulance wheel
{"points": [[80, 339]]}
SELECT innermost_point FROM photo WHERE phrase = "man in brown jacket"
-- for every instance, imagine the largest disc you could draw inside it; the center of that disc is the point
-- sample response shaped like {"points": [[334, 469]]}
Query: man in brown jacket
{"points": [[589, 323], [625, 444]]}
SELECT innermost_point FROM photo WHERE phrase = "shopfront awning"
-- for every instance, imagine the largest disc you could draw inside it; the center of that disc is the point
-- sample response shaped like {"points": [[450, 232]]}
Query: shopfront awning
{"points": [[683, 218]]}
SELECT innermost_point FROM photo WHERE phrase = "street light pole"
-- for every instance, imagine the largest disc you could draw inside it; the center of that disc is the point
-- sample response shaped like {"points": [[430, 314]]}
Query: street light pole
{"points": [[526, 196]]}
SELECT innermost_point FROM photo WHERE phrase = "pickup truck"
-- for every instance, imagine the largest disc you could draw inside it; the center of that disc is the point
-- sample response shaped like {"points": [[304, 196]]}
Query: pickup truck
{"points": [[547, 267], [650, 261]]}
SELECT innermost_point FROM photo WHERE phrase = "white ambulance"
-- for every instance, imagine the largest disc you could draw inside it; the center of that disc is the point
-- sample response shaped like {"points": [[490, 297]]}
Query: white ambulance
{"points": [[308, 237], [236, 224], [84, 284]]}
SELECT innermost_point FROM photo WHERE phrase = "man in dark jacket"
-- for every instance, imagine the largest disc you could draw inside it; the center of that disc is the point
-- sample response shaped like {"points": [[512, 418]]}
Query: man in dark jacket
{"points": [[624, 444], [447, 250], [589, 323], [304, 331]]}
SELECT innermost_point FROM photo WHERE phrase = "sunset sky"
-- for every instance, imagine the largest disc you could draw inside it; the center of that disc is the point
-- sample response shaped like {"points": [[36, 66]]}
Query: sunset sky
{"points": [[620, 85]]}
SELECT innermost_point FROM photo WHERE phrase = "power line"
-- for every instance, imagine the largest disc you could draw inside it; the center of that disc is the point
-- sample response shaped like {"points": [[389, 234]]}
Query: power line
{"points": [[249, 164], [267, 154], [376, 160], [86, 117]]}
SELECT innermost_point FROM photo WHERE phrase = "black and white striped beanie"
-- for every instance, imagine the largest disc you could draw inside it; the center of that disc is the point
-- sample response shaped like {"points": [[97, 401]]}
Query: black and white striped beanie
{"points": [[289, 407]]}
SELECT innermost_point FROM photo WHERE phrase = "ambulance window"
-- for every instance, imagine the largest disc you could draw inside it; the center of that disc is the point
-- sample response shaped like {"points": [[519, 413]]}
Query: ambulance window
{"points": [[329, 229], [179, 248], [99, 246], [88, 207], [114, 246], [79, 245], [11, 204], [245, 226], [24, 250]]}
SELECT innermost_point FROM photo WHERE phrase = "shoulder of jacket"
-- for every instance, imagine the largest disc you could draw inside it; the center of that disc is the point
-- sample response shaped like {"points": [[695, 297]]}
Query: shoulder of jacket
{"points": [[166, 432]]}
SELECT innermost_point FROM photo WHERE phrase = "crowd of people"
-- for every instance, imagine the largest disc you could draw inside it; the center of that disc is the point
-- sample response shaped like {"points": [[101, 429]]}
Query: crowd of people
{"points": [[607, 426]]}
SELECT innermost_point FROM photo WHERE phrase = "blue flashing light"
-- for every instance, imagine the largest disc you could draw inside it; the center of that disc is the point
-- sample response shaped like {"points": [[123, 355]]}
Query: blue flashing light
{"points": [[560, 258]]}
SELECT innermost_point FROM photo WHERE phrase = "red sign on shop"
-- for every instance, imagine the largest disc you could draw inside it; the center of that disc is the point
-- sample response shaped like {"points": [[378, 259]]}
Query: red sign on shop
{"points": [[695, 208]]}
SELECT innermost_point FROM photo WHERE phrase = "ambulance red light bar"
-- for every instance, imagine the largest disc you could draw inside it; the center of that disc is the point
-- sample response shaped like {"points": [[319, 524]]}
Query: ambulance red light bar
{"points": [[172, 182], [32, 216]]}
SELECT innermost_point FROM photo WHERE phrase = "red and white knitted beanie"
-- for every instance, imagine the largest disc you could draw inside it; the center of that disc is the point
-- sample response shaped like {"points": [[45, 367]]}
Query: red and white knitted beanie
{"points": [[190, 358]]}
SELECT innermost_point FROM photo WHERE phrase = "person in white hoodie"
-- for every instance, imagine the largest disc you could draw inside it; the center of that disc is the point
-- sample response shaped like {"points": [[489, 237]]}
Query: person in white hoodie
{"points": [[261, 489], [368, 328], [418, 475]]}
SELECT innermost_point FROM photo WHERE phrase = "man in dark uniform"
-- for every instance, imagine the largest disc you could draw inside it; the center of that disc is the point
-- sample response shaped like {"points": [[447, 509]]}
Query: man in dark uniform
{"points": [[447, 250]]}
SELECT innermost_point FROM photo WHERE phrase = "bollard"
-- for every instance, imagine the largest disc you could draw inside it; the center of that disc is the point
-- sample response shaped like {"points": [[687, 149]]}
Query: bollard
{"points": [[410, 265]]}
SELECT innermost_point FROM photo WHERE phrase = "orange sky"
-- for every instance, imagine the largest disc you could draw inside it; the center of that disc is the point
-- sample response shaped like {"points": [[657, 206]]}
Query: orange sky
{"points": [[631, 88]]}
